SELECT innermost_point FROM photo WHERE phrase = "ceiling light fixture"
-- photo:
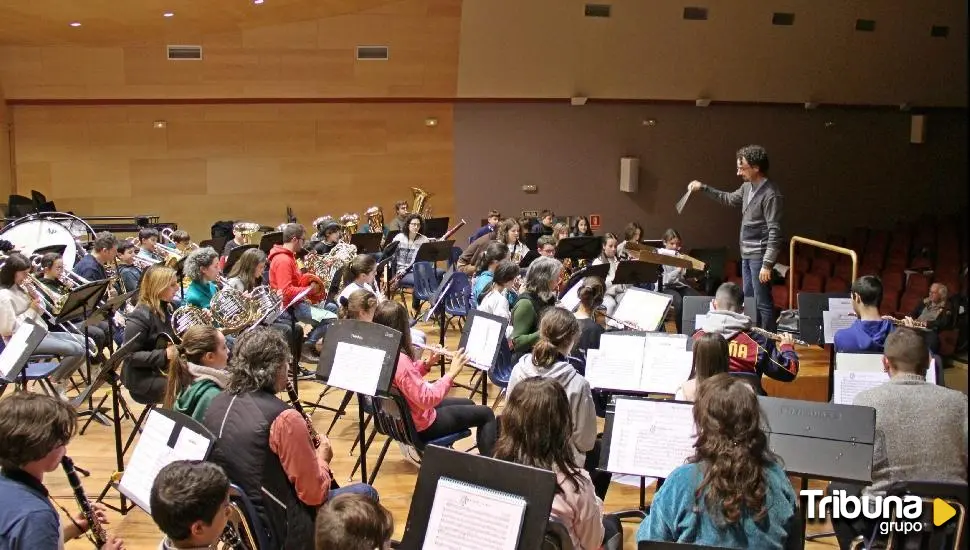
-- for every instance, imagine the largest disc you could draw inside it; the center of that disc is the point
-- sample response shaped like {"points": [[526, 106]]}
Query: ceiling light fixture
{"points": [[75, 24], [257, 2], [168, 14]]}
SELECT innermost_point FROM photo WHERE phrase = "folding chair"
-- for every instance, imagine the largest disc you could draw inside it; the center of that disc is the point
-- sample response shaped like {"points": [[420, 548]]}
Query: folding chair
{"points": [[244, 518]]}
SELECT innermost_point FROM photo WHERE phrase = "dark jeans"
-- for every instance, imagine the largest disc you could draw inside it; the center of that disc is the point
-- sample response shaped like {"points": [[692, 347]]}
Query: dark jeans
{"points": [[750, 269], [456, 414], [677, 294]]}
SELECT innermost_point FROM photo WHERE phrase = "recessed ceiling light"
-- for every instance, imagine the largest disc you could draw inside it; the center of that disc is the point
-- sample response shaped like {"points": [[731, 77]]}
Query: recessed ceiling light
{"points": [[168, 14], [75, 24], [257, 2]]}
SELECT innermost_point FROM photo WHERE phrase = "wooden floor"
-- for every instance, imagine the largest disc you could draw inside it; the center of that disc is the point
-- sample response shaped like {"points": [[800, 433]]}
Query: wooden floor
{"points": [[395, 483]]}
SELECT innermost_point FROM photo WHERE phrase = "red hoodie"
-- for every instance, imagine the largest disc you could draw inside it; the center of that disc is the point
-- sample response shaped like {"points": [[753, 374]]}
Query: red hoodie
{"points": [[283, 273]]}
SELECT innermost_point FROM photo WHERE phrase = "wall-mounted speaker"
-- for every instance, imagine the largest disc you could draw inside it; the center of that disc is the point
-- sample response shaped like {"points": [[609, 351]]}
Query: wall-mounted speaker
{"points": [[629, 174], [917, 129]]}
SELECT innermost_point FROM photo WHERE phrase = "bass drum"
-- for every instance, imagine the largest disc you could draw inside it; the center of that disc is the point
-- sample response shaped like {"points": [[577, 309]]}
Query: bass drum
{"points": [[38, 231]]}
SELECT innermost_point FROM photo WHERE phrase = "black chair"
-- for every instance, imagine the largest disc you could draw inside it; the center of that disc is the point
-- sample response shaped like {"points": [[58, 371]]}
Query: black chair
{"points": [[245, 520], [950, 535], [556, 537], [19, 206]]}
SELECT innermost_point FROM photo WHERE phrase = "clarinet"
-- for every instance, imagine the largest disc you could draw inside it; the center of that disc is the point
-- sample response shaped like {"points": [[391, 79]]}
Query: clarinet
{"points": [[231, 538], [295, 398], [97, 534]]}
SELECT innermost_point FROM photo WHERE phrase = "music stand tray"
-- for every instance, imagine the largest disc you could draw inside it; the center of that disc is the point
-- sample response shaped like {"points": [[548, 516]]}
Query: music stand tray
{"points": [[82, 300], [360, 333], [435, 228], [700, 305], [109, 366], [367, 243], [531, 240], [267, 241], [235, 254]]}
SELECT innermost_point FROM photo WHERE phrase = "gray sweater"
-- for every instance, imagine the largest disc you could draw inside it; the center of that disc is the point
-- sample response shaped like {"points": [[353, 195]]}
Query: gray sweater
{"points": [[921, 432], [761, 213]]}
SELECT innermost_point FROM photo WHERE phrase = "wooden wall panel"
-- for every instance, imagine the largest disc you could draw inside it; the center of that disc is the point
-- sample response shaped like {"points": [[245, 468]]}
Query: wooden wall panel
{"points": [[214, 162], [6, 163]]}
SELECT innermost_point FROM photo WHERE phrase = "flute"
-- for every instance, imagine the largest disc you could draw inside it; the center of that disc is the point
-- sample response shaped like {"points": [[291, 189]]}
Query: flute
{"points": [[777, 337], [919, 325], [295, 399], [629, 325], [450, 354], [98, 536]]}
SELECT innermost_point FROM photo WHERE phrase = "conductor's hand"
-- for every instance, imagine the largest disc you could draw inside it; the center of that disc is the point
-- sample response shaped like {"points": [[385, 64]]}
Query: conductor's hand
{"points": [[458, 360], [171, 352], [764, 275], [695, 186], [786, 339]]}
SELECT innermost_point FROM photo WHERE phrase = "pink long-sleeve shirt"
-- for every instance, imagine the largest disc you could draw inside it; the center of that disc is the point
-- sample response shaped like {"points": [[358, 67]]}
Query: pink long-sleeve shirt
{"points": [[421, 396]]}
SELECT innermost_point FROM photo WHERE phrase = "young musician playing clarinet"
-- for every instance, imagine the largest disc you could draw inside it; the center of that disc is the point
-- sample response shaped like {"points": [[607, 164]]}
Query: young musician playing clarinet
{"points": [[34, 432], [675, 278]]}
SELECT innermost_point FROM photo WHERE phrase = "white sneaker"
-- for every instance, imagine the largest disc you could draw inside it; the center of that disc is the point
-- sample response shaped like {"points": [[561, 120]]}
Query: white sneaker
{"points": [[410, 454]]}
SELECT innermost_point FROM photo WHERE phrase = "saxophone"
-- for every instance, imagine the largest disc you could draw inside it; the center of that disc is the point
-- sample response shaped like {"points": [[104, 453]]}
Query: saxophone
{"points": [[98, 536]]}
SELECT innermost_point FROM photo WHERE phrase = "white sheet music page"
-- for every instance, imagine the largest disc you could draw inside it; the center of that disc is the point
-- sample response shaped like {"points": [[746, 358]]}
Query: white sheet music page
{"points": [[650, 438], [847, 384], [618, 364], [356, 368], [151, 454], [469, 517], [570, 300], [834, 321], [665, 367], [483, 340], [646, 309], [872, 362], [14, 349]]}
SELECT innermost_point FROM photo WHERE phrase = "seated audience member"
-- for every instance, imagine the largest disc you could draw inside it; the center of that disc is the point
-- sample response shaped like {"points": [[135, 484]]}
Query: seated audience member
{"points": [[264, 444], [190, 504], [539, 293], [749, 351], [199, 372], [34, 432], [129, 275], [91, 266], [591, 292], [733, 491], [710, 357], [507, 233], [545, 246], [545, 223], [493, 219], [921, 428], [559, 332], [238, 239], [495, 253], [202, 267], [675, 278], [354, 522], [936, 312], [144, 369], [537, 426], [869, 331], [433, 412], [581, 228]]}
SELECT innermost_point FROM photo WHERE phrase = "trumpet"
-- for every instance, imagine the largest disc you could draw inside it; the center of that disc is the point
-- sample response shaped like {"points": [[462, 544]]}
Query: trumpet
{"points": [[918, 325], [777, 337], [450, 354], [166, 235]]}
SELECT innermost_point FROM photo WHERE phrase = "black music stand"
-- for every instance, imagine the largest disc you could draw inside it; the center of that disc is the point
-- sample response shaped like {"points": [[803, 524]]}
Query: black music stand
{"points": [[435, 228], [16, 353], [234, 256], [217, 243], [367, 243], [436, 307], [531, 240], [82, 302], [700, 305], [355, 334], [390, 236], [810, 307], [636, 272], [267, 241], [434, 252], [599, 270], [56, 248], [579, 248], [533, 484], [482, 317]]}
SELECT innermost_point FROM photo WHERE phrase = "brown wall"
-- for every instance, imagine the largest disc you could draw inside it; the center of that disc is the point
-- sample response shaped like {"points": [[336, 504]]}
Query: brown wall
{"points": [[6, 167], [217, 162], [861, 170]]}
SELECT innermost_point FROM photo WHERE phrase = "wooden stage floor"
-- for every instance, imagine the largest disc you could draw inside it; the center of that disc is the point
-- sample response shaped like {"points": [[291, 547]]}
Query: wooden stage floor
{"points": [[395, 482]]}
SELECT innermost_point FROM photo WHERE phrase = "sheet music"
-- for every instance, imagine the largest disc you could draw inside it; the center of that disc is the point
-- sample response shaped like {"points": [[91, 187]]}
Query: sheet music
{"points": [[646, 309], [14, 349], [699, 320], [615, 371], [570, 300], [666, 370], [483, 340], [650, 438], [841, 306], [833, 321], [848, 384], [356, 368], [682, 202], [872, 362], [152, 453], [468, 517]]}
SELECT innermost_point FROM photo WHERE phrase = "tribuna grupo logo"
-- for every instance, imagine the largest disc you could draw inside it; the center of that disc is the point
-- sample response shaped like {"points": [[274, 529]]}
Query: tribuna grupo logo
{"points": [[894, 514]]}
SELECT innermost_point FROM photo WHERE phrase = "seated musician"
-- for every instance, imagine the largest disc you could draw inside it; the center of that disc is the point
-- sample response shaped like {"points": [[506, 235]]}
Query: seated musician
{"points": [[285, 278], [581, 228], [537, 426], [498, 296], [247, 273], [362, 273], [751, 353], [936, 312], [199, 372], [144, 369], [17, 306], [495, 253], [53, 271], [507, 232], [492, 224], [147, 241], [591, 294], [399, 222], [264, 444], [921, 428], [675, 278], [614, 292], [545, 246], [354, 522], [182, 241], [560, 231], [129, 274], [710, 357], [632, 234], [545, 224], [190, 504], [202, 267], [238, 239], [327, 236], [434, 413], [34, 432], [539, 293], [91, 266], [867, 333], [558, 334], [733, 491], [409, 241]]}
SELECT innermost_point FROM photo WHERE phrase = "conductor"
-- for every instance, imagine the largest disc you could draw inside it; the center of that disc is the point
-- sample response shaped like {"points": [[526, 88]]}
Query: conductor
{"points": [[761, 239]]}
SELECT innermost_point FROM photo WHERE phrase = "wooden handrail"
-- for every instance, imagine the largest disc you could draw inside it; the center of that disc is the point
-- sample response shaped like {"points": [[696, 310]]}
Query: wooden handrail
{"points": [[818, 244]]}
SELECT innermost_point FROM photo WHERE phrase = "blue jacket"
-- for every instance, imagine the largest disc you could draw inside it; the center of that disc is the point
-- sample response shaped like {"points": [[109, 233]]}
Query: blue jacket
{"points": [[481, 232], [676, 517], [863, 336], [27, 518]]}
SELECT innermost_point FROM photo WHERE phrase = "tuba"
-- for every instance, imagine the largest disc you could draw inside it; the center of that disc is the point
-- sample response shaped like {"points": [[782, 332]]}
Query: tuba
{"points": [[420, 206], [349, 223], [375, 218], [246, 229]]}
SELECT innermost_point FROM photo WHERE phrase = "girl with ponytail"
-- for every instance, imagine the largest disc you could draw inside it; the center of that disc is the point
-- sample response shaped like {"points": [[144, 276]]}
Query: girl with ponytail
{"points": [[591, 293], [495, 253], [198, 373]]}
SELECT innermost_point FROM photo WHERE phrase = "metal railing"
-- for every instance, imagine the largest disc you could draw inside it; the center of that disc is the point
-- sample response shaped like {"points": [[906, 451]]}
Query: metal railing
{"points": [[817, 244]]}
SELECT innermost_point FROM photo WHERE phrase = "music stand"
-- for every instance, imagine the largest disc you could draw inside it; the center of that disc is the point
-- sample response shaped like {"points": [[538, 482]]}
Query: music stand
{"points": [[267, 241], [533, 484], [82, 302], [367, 243], [360, 357], [56, 248], [700, 305], [390, 236], [531, 240], [488, 356], [598, 270], [218, 244], [16, 353], [180, 276], [435, 228], [234, 256], [810, 307], [579, 248], [635, 272]]}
